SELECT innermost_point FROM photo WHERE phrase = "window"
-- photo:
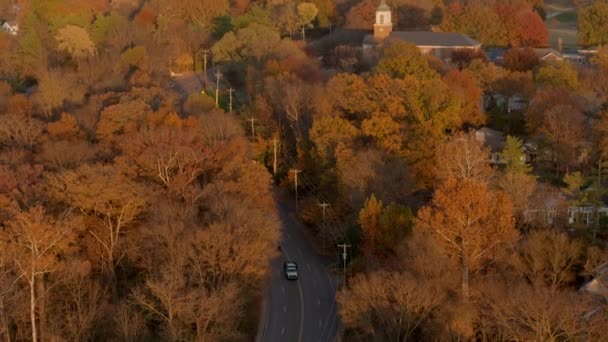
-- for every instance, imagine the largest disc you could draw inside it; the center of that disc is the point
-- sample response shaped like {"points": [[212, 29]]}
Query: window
{"points": [[381, 19]]}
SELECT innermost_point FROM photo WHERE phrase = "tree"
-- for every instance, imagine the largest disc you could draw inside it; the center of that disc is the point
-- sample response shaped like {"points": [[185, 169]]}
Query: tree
{"points": [[550, 258], [102, 192], [171, 157], [75, 41], [473, 228], [108, 27], [462, 58], [78, 301], [520, 187], [38, 241], [307, 12], [55, 87], [385, 131], [532, 29], [463, 157], [119, 120], [20, 131], [558, 75], [513, 155], [369, 220], [562, 127], [521, 59], [66, 128], [593, 23], [464, 86], [197, 13], [401, 59], [515, 310], [329, 131], [388, 306]]}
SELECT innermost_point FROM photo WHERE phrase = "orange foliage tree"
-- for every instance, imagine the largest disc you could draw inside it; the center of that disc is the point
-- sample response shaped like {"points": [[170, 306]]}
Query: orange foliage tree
{"points": [[471, 222]]}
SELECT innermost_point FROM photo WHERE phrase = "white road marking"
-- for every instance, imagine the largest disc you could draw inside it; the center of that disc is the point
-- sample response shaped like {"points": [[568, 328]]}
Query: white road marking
{"points": [[282, 331], [283, 288], [284, 308], [318, 302]]}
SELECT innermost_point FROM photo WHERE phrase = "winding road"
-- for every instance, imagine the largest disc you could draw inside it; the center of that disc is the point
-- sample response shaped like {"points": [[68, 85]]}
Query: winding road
{"points": [[303, 310]]}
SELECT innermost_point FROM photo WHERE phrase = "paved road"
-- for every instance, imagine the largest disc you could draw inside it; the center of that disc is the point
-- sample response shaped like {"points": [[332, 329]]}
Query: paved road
{"points": [[302, 310]]}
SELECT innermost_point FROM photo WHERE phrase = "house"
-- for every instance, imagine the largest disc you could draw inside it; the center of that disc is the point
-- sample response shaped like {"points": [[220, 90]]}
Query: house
{"points": [[548, 55], [10, 27], [598, 285], [438, 44], [494, 140]]}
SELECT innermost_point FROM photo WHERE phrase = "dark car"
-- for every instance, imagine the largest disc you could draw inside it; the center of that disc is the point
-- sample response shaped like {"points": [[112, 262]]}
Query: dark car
{"points": [[290, 269]]}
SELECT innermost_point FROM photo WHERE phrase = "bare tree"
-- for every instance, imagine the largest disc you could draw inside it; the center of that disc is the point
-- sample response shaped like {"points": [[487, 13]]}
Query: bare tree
{"points": [[463, 157], [550, 258], [102, 192], [38, 241], [387, 306]]}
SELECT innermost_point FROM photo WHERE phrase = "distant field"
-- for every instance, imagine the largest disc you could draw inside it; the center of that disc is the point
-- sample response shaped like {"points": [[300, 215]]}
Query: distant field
{"points": [[561, 22]]}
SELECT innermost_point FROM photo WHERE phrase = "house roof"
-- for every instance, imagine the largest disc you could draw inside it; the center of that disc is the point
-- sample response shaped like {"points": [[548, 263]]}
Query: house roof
{"points": [[542, 53], [434, 39], [492, 138]]}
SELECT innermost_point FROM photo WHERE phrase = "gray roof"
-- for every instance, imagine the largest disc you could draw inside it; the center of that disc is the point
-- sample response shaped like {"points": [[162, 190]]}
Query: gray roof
{"points": [[492, 138], [435, 39]]}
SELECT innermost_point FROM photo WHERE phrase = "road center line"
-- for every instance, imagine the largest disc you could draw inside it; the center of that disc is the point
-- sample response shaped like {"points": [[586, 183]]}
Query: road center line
{"points": [[282, 331], [284, 308], [301, 292], [283, 288]]}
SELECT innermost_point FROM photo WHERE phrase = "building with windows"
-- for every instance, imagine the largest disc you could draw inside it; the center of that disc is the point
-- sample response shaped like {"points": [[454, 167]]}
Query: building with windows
{"points": [[438, 44]]}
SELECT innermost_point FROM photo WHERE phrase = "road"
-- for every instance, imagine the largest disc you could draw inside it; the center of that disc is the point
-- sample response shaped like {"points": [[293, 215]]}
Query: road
{"points": [[303, 310]]}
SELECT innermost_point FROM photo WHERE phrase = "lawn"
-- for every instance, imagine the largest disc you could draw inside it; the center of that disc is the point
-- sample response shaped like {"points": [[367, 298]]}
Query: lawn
{"points": [[561, 22]]}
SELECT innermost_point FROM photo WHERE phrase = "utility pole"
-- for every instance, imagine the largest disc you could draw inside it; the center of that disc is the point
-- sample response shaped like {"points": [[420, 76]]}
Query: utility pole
{"points": [[323, 237], [205, 52], [218, 75], [274, 161], [344, 255], [230, 90], [252, 126], [303, 34], [296, 171]]}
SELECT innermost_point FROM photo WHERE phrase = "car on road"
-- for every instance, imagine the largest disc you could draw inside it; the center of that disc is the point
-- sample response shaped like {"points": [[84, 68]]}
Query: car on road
{"points": [[290, 269]]}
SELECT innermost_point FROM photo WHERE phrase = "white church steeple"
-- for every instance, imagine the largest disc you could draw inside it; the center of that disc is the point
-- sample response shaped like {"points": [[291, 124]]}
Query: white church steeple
{"points": [[383, 26]]}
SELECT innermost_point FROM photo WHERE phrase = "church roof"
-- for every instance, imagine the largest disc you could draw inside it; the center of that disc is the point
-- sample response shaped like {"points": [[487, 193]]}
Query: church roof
{"points": [[434, 39], [383, 6]]}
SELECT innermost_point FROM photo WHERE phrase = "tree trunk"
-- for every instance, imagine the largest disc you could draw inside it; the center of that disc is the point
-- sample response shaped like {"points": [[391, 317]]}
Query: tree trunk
{"points": [[113, 282], [4, 322], [33, 309], [41, 298], [465, 279]]}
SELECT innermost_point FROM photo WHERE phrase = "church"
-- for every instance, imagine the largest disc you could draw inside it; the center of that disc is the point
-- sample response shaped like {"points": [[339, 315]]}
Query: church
{"points": [[438, 44]]}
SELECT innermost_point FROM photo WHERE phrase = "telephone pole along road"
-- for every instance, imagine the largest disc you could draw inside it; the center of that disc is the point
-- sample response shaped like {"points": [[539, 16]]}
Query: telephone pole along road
{"points": [[303, 310]]}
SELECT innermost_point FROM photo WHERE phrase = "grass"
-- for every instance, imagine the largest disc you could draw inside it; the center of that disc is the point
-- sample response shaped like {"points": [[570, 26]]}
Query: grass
{"points": [[564, 24], [567, 17]]}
